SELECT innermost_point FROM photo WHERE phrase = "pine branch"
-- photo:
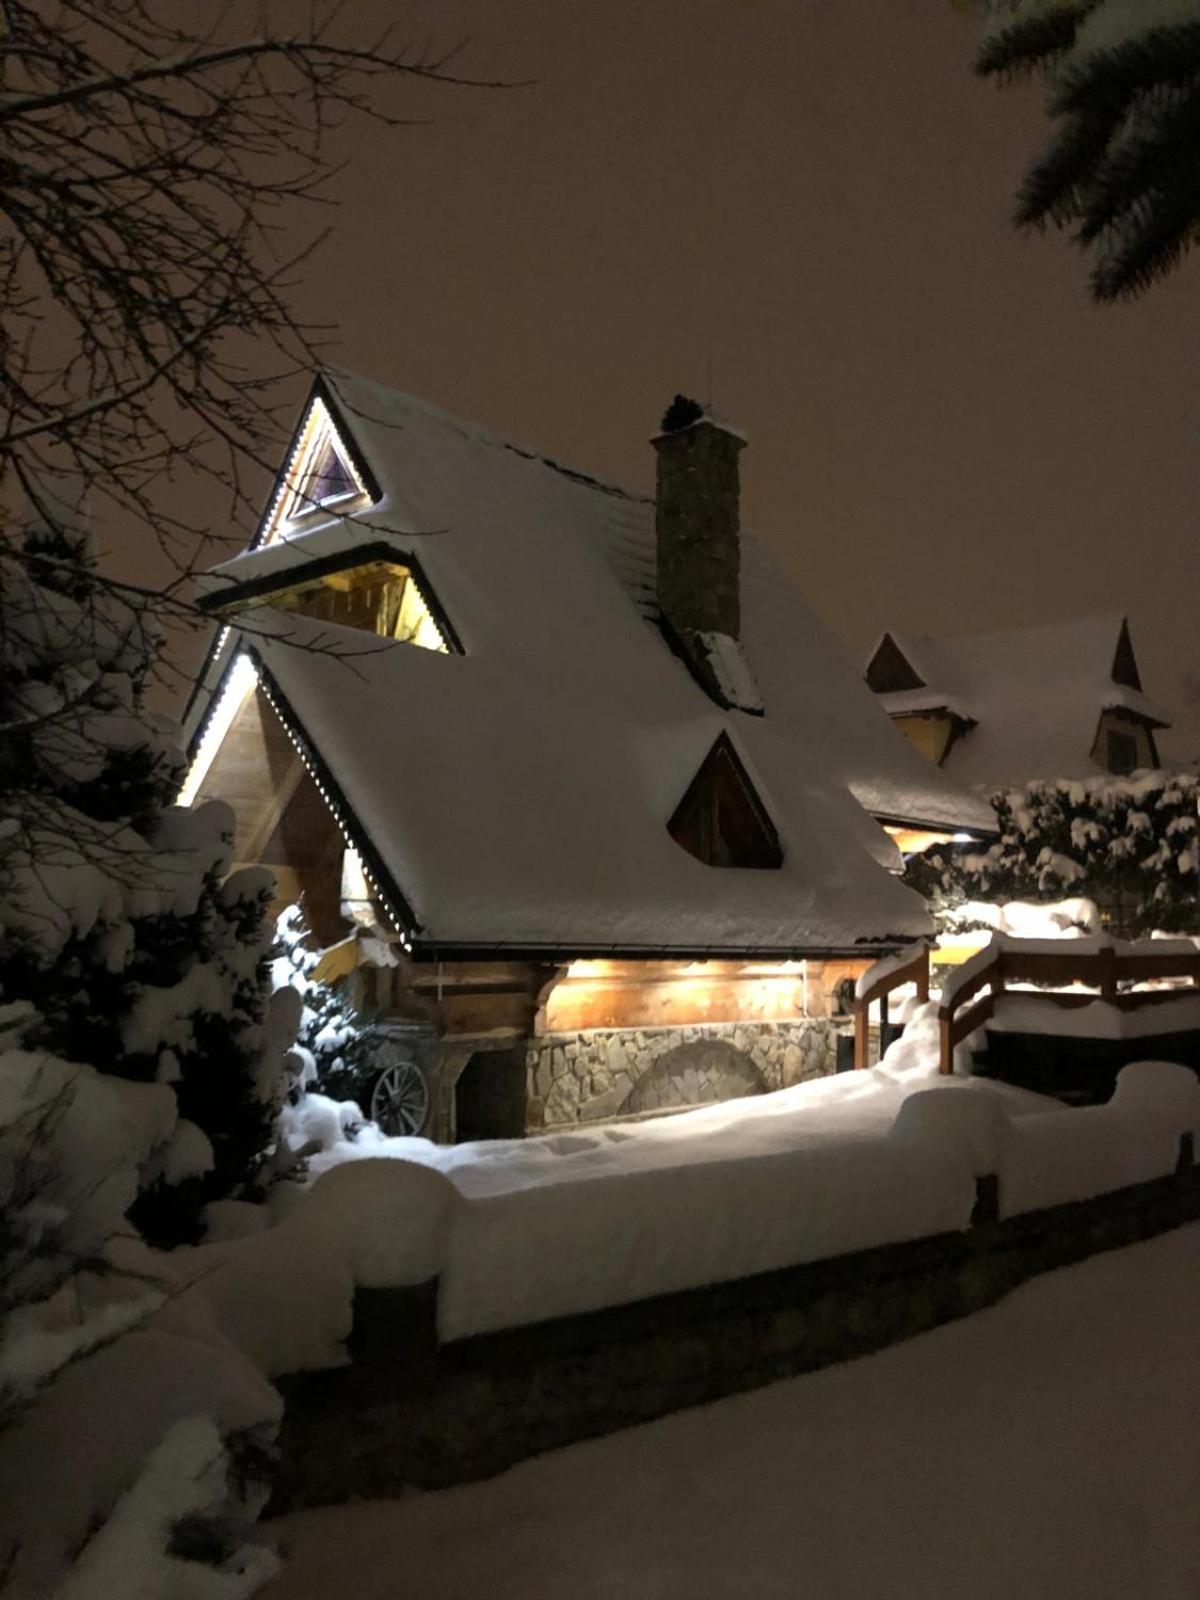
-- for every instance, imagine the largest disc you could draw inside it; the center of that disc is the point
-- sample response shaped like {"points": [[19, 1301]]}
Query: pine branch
{"points": [[1031, 44]]}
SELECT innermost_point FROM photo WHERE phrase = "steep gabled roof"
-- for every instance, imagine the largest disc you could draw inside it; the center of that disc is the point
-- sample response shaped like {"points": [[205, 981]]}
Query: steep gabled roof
{"points": [[1035, 694], [520, 792]]}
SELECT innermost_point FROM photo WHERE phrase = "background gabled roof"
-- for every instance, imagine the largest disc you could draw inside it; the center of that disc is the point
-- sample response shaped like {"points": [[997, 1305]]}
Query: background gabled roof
{"points": [[520, 792], [1036, 694]]}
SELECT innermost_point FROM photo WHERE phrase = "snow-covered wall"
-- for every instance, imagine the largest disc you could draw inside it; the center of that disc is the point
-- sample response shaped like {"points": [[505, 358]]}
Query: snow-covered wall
{"points": [[601, 1073]]}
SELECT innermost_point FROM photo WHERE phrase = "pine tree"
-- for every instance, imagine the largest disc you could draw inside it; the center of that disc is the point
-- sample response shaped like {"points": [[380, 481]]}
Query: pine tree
{"points": [[116, 919], [330, 1040], [1128, 843], [1120, 168]]}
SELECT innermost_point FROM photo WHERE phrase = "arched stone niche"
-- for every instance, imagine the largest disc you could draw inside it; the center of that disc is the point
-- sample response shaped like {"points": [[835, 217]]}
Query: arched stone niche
{"points": [[694, 1074]]}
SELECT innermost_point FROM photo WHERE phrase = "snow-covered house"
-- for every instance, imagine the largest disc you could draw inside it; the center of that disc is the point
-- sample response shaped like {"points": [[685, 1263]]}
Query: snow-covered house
{"points": [[1056, 700], [607, 807]]}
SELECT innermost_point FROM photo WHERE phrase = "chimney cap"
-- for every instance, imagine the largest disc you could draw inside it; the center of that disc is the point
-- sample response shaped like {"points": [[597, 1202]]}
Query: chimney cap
{"points": [[684, 414]]}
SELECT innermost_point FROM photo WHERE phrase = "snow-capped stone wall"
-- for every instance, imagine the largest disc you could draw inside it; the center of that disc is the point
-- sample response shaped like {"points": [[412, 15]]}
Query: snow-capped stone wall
{"points": [[589, 1076]]}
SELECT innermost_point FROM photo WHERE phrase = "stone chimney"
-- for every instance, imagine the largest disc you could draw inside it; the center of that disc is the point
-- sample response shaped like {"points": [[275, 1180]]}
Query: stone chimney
{"points": [[697, 521]]}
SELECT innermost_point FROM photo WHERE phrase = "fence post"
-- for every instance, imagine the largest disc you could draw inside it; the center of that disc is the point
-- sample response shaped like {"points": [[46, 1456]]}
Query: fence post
{"points": [[923, 976], [945, 1045], [1106, 958], [861, 1034]]}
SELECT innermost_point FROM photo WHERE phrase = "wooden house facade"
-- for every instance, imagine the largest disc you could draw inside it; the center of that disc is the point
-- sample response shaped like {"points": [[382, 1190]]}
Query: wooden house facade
{"points": [[593, 813]]}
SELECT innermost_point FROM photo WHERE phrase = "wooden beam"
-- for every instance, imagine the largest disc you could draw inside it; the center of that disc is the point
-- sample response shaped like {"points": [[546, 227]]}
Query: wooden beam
{"points": [[862, 1036], [271, 817], [945, 1045]]}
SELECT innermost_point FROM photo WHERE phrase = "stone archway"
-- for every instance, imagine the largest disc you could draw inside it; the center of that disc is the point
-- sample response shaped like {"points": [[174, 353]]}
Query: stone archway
{"points": [[698, 1073]]}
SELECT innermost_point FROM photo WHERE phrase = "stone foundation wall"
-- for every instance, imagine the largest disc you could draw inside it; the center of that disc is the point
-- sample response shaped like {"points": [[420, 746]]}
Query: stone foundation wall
{"points": [[601, 1073]]}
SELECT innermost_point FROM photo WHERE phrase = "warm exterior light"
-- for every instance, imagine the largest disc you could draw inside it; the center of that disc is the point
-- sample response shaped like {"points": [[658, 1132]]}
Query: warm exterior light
{"points": [[915, 841], [243, 676], [647, 993]]}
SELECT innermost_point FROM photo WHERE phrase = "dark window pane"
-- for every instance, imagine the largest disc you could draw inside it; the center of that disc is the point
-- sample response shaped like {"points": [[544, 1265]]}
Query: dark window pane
{"points": [[720, 820], [1122, 752]]}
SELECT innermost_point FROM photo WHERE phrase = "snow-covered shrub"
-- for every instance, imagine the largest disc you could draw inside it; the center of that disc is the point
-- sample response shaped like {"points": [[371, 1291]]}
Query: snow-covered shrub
{"points": [[1127, 843], [71, 1146], [160, 1506], [180, 1531], [330, 1055], [117, 920]]}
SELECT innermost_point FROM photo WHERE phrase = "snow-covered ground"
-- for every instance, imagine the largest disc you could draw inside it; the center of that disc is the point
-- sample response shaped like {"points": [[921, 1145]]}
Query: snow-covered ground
{"points": [[1046, 1449]]}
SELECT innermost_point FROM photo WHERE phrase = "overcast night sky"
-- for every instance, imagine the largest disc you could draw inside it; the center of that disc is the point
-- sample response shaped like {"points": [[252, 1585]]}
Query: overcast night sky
{"points": [[814, 198]]}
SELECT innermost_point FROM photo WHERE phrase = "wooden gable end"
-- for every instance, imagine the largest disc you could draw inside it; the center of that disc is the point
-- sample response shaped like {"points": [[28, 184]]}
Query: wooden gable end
{"points": [[289, 810], [281, 821], [721, 820], [890, 670]]}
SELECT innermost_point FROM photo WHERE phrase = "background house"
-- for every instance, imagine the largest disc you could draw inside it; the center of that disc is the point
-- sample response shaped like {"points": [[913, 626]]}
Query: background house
{"points": [[607, 807], [1060, 700], [1053, 722]]}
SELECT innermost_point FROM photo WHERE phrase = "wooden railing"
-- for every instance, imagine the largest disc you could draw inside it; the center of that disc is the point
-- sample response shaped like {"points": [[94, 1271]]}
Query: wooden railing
{"points": [[915, 970], [1102, 970]]}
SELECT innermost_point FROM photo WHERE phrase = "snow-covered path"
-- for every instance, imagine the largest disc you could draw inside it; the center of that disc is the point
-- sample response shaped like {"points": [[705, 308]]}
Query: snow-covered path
{"points": [[1047, 1449]]}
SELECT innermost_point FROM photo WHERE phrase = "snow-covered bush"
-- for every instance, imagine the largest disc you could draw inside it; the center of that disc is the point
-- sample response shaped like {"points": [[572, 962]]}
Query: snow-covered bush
{"points": [[1130, 844], [161, 1506], [71, 1146], [329, 1052], [117, 920]]}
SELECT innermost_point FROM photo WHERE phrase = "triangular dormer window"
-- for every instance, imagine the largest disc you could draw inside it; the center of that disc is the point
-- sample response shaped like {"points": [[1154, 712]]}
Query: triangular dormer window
{"points": [[325, 473], [329, 478], [721, 820], [375, 588], [323, 476], [890, 671]]}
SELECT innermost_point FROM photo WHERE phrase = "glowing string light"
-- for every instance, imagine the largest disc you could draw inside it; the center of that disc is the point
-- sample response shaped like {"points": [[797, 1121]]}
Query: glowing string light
{"points": [[243, 678]]}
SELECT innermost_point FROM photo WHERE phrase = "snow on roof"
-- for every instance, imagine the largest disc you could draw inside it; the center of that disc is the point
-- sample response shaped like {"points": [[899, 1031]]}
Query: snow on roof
{"points": [[1035, 694], [519, 792]]}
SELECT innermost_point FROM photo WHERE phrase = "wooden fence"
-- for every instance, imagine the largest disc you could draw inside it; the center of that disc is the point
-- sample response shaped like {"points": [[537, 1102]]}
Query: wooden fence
{"points": [[914, 971], [1103, 971]]}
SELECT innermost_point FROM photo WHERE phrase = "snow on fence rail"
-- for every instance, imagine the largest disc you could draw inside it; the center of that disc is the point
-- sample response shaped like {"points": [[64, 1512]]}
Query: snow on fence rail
{"points": [[876, 984], [1091, 965]]}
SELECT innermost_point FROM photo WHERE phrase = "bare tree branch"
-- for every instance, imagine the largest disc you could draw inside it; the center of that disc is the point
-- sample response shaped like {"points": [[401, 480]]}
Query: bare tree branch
{"points": [[149, 185]]}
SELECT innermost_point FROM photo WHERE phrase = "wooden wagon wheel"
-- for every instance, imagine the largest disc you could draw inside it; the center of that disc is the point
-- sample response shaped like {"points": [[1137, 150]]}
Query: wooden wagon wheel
{"points": [[400, 1097]]}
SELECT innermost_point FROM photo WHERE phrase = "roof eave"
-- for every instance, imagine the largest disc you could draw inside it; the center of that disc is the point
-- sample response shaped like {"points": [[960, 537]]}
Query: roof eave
{"points": [[557, 953]]}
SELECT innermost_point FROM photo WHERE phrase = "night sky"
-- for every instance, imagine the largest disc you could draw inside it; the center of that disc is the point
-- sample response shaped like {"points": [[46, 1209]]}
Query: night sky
{"points": [[812, 200]]}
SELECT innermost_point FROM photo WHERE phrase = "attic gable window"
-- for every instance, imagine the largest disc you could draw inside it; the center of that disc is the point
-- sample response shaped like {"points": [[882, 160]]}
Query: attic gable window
{"points": [[379, 597], [323, 475], [329, 478], [1122, 753], [374, 588], [324, 472], [721, 820], [890, 671]]}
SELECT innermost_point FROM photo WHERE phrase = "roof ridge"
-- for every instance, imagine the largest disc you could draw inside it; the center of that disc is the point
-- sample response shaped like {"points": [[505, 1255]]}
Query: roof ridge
{"points": [[476, 432], [966, 636]]}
